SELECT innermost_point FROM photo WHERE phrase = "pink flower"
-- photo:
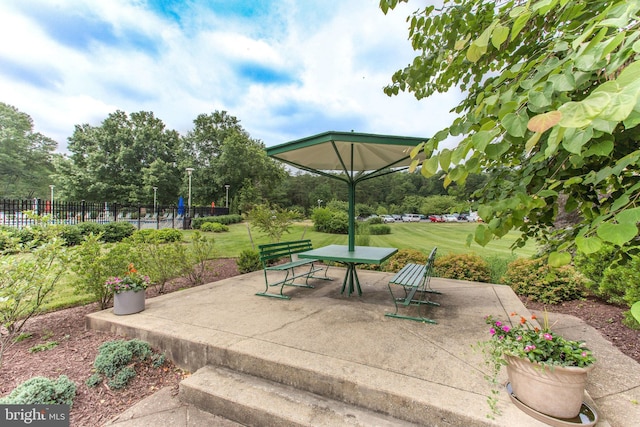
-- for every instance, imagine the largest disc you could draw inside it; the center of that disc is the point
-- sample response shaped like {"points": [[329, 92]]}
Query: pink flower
{"points": [[548, 337], [498, 323], [492, 331], [519, 338], [529, 348], [505, 328]]}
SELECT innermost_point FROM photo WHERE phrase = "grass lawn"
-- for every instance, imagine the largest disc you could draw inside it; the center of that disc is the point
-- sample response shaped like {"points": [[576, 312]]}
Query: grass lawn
{"points": [[448, 237]]}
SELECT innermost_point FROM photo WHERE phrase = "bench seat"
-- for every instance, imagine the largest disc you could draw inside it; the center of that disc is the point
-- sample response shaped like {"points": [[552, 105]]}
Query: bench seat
{"points": [[413, 279], [276, 252]]}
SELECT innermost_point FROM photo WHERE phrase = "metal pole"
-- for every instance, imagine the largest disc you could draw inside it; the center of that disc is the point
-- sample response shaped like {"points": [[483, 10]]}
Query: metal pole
{"points": [[227, 200], [189, 171], [155, 192]]}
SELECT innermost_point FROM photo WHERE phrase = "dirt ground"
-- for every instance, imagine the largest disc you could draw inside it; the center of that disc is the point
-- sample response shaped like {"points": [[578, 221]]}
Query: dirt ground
{"points": [[77, 349]]}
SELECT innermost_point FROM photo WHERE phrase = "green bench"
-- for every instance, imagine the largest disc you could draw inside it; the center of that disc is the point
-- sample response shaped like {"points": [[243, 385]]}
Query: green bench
{"points": [[414, 279], [271, 256]]}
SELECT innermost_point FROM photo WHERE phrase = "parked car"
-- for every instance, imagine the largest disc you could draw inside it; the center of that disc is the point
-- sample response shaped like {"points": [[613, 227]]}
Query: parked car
{"points": [[387, 218], [450, 218], [463, 217], [436, 218], [410, 218]]}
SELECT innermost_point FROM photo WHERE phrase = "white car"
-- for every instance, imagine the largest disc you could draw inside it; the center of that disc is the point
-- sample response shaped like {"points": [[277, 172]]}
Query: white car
{"points": [[450, 218], [387, 218], [410, 218]]}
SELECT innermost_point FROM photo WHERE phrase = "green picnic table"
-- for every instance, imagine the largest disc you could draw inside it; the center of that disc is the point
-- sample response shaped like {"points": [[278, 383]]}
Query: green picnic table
{"points": [[359, 255]]}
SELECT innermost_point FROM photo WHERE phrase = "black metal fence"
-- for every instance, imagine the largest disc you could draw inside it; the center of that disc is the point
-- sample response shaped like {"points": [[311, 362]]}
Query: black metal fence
{"points": [[23, 213]]}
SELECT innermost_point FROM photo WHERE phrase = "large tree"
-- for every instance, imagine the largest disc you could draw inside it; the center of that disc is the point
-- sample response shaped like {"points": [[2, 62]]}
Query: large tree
{"points": [[122, 160], [551, 110], [25, 156], [222, 153]]}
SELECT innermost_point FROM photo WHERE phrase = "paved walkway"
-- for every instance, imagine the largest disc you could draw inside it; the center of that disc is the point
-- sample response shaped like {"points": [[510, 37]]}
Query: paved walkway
{"points": [[431, 369]]}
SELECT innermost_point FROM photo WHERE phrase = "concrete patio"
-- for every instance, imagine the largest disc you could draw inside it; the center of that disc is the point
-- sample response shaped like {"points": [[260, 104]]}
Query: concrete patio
{"points": [[323, 358]]}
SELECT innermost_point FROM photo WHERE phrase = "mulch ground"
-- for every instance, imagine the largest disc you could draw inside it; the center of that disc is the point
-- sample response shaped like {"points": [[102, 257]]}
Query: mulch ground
{"points": [[77, 349]]}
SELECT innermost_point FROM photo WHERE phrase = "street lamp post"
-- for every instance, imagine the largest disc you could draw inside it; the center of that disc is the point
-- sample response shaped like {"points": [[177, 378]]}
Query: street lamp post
{"points": [[227, 200], [51, 187], [155, 194], [189, 171]]}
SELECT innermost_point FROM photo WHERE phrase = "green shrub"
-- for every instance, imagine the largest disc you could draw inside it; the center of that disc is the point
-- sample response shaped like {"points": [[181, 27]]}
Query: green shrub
{"points": [[463, 267], [498, 265], [195, 258], [116, 361], [87, 228], [9, 241], [248, 261], [116, 231], [375, 220], [326, 220], [151, 235], [167, 235], [215, 227], [535, 279], [95, 262], [162, 262], [42, 391], [363, 236], [620, 283], [593, 266], [404, 257], [196, 223], [71, 234], [379, 229]]}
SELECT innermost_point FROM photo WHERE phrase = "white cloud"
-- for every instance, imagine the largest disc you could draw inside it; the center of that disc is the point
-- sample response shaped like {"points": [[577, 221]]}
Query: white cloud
{"points": [[305, 67]]}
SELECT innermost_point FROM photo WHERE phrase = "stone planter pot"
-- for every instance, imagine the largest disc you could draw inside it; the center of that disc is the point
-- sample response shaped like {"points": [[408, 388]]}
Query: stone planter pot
{"points": [[128, 302], [555, 391]]}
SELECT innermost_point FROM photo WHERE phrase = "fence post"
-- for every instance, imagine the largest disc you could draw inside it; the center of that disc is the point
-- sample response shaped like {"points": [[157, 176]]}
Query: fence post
{"points": [[139, 217], [83, 210]]}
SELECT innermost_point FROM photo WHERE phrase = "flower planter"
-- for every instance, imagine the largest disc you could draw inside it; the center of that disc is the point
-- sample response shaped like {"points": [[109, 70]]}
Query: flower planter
{"points": [[555, 391], [128, 302]]}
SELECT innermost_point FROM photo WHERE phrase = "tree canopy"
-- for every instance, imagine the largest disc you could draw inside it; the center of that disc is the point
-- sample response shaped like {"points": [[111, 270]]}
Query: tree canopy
{"points": [[25, 156], [551, 110]]}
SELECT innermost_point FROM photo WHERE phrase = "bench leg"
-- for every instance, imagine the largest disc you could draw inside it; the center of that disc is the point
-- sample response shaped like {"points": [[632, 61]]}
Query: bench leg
{"points": [[266, 292], [408, 300]]}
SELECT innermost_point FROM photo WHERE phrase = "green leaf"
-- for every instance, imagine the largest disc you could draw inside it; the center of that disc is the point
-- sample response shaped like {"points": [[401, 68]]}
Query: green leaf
{"points": [[445, 159], [618, 234], [558, 259], [600, 148], [563, 82], [519, 24], [542, 122], [580, 114], [631, 216], [588, 245], [499, 35], [620, 106], [482, 235], [532, 142], [575, 139], [482, 139], [430, 166], [494, 151], [635, 310], [475, 52], [516, 123]]}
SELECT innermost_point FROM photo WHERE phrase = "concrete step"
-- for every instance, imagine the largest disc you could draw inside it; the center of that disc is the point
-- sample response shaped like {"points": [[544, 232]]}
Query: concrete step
{"points": [[255, 401]]}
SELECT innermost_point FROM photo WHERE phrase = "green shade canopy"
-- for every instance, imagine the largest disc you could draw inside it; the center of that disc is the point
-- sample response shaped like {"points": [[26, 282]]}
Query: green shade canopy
{"points": [[359, 156]]}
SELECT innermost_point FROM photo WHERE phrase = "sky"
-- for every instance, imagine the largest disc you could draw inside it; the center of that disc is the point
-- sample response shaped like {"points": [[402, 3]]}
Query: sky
{"points": [[287, 69]]}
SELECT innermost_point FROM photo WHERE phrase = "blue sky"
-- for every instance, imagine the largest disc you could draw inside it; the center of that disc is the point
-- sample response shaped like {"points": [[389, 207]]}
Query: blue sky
{"points": [[286, 69]]}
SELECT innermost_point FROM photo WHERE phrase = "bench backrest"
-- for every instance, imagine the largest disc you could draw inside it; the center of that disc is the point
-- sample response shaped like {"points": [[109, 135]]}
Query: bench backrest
{"points": [[272, 251], [429, 266]]}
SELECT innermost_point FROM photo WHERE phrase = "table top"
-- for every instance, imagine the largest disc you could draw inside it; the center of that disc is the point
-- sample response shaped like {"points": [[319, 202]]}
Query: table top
{"points": [[341, 253]]}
